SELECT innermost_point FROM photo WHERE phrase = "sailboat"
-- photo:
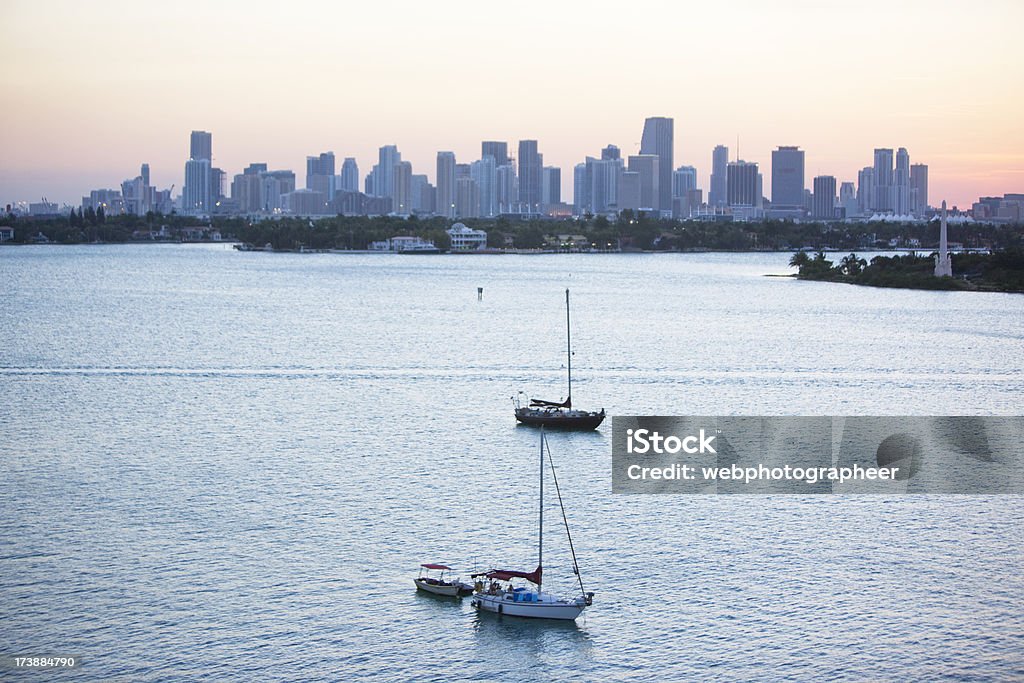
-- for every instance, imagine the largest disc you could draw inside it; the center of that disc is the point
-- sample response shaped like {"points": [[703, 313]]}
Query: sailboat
{"points": [[559, 415], [492, 596]]}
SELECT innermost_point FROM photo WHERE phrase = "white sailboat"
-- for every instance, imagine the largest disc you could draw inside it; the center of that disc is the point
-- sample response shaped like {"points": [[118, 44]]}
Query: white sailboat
{"points": [[492, 596]]}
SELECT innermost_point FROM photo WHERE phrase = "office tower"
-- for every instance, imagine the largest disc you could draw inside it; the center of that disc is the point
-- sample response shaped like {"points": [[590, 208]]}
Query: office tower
{"points": [[551, 186], [684, 180], [901, 182], [498, 150], [629, 191], [919, 189], [848, 200], [401, 189], [602, 182], [196, 193], [742, 184], [579, 189], [369, 183], [530, 164], [145, 174], [349, 175], [866, 189], [467, 197], [276, 184], [484, 173], [610, 153], [507, 191], [462, 171], [422, 194], [718, 192], [322, 165], [657, 139], [787, 178], [246, 186], [201, 145], [384, 182], [216, 185], [883, 193], [824, 197], [446, 184], [647, 165]]}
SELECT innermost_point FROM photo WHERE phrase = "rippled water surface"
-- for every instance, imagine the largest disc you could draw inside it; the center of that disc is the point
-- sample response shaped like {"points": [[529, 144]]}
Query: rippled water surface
{"points": [[230, 464]]}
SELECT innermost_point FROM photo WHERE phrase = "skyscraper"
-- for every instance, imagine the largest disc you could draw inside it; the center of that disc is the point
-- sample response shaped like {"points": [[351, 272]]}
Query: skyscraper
{"points": [[401, 193], [530, 164], [195, 197], [320, 174], [349, 175], [718, 192], [551, 186], [883, 180], [658, 140], [579, 189], [201, 145], [507, 189], [866, 189], [388, 158], [742, 184], [467, 197], [787, 178], [901, 182], [824, 197], [648, 168], [919, 189], [498, 150], [684, 182], [484, 173], [446, 184]]}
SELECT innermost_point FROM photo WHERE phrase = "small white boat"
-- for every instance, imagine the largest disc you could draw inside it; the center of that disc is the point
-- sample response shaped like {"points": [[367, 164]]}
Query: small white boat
{"points": [[439, 585], [525, 602]]}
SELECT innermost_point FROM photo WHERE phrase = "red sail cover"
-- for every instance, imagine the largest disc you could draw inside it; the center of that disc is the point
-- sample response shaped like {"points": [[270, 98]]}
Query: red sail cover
{"points": [[507, 575]]}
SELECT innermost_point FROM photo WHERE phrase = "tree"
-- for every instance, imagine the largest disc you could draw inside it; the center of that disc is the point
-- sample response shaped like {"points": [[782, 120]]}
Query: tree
{"points": [[799, 260], [852, 265]]}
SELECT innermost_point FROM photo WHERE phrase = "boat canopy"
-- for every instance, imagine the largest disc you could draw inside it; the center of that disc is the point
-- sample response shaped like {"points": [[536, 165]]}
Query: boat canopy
{"points": [[538, 403], [508, 575], [436, 566]]}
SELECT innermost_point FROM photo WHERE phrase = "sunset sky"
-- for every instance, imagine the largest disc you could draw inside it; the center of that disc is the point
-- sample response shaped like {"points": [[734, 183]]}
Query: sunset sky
{"points": [[93, 89]]}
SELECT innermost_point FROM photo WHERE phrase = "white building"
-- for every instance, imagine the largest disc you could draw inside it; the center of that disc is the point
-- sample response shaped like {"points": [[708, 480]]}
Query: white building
{"points": [[466, 239], [403, 243]]}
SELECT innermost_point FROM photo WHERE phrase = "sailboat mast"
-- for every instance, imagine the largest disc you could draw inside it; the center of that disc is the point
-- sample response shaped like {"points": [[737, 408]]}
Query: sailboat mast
{"points": [[540, 529], [568, 347]]}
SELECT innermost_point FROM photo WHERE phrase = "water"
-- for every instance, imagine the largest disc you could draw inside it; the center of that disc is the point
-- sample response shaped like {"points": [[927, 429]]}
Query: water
{"points": [[231, 464]]}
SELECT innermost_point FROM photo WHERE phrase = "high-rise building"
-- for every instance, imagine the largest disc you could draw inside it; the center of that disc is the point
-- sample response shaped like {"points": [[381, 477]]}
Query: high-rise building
{"points": [[388, 158], [201, 145], [718, 192], [848, 200], [401, 191], [467, 197], [658, 140], [579, 189], [507, 189], [446, 184], [684, 181], [498, 150], [824, 197], [742, 185], [787, 178], [320, 174], [196, 193], [901, 182], [866, 189], [530, 164], [919, 189], [647, 165], [610, 152], [349, 175], [551, 186], [484, 173], [883, 194], [629, 191]]}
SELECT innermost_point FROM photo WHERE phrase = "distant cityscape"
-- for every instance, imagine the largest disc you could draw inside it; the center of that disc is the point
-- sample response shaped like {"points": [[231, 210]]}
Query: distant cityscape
{"points": [[521, 186]]}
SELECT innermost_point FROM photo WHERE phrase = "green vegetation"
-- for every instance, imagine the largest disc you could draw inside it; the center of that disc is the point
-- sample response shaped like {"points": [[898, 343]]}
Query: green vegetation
{"points": [[1002, 271], [628, 232]]}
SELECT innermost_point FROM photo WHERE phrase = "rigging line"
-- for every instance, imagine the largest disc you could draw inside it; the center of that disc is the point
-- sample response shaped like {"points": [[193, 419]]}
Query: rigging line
{"points": [[565, 520]]}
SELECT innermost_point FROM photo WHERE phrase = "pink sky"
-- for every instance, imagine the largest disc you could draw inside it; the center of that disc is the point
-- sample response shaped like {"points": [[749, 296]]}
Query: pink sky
{"points": [[91, 90]]}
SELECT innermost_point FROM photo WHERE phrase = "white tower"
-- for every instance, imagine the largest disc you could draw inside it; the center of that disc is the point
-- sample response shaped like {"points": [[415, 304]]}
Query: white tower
{"points": [[943, 266]]}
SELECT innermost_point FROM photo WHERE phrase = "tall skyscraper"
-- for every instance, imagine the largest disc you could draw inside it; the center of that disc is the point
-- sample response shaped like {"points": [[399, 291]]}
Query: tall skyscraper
{"points": [[349, 175], [201, 145], [446, 184], [401, 192], [320, 174], [507, 189], [742, 185], [484, 173], [388, 158], [648, 166], [848, 200], [824, 197], [684, 182], [551, 186], [718, 192], [195, 197], [658, 139], [866, 189], [901, 182], [467, 197], [498, 150], [883, 180], [787, 178], [579, 189], [610, 152], [919, 189], [530, 164]]}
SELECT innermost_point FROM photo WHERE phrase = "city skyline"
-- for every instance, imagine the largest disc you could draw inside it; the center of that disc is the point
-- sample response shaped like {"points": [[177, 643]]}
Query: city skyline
{"points": [[80, 114]]}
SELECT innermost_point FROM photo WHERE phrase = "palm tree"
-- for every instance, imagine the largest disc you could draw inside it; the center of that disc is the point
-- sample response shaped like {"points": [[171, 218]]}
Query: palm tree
{"points": [[799, 259], [852, 265]]}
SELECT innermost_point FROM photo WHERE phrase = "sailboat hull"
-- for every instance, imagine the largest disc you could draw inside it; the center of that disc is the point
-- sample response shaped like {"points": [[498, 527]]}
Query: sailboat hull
{"points": [[573, 420], [547, 609]]}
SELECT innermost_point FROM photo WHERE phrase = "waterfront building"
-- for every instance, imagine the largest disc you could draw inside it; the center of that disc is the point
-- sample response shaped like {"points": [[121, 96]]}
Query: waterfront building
{"points": [[658, 140], [466, 239], [306, 202]]}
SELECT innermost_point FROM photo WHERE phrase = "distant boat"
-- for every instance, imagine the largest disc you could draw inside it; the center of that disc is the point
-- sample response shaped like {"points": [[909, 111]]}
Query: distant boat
{"points": [[554, 414], [438, 585], [491, 596]]}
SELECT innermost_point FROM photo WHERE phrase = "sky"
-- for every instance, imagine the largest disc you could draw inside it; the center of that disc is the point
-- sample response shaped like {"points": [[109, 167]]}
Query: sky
{"points": [[93, 89]]}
